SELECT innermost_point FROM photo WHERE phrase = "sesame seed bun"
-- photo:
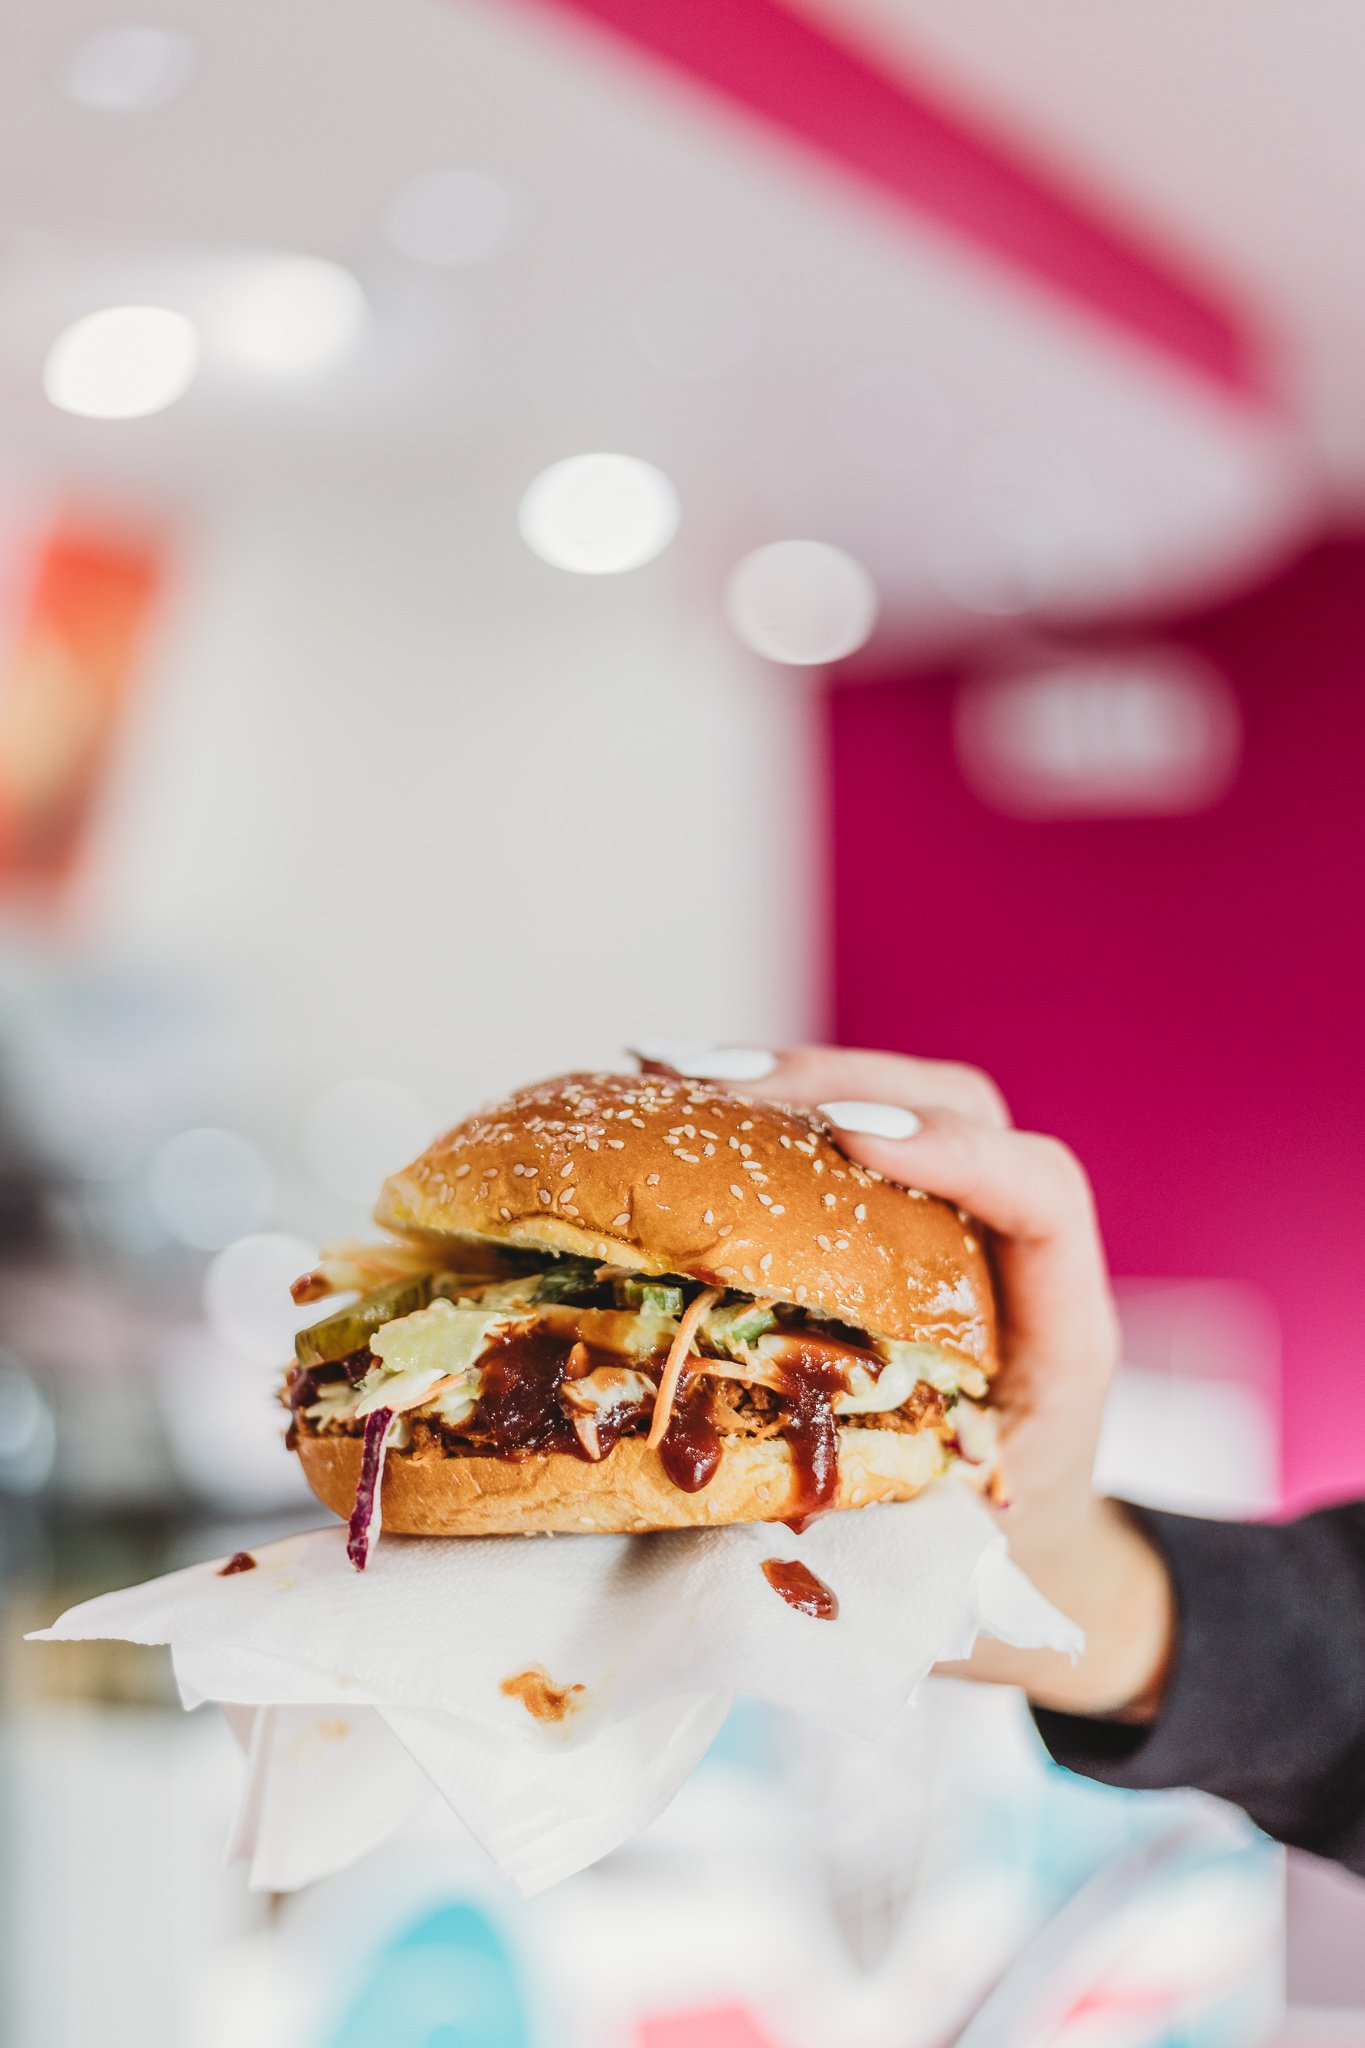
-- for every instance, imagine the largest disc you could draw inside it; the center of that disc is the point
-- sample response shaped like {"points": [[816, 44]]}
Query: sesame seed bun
{"points": [[665, 1175], [429, 1493]]}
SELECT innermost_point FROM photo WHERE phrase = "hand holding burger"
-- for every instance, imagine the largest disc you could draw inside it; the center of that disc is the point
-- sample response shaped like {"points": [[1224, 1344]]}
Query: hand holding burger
{"points": [[946, 1128]]}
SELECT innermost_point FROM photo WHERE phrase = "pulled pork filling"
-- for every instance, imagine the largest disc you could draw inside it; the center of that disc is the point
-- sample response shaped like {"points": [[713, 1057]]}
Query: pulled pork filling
{"points": [[569, 1356]]}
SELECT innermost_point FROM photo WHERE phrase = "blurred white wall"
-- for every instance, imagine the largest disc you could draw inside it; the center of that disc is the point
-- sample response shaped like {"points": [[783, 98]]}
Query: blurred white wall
{"points": [[411, 804]]}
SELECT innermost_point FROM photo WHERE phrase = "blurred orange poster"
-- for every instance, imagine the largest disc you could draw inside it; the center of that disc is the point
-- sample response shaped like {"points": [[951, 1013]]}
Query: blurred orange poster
{"points": [[66, 676]]}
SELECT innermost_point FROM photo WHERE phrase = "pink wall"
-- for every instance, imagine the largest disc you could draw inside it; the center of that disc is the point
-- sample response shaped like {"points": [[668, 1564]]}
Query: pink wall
{"points": [[1182, 999]]}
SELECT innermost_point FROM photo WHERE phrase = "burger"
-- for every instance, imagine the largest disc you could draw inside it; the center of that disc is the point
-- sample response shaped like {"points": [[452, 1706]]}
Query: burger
{"points": [[621, 1303]]}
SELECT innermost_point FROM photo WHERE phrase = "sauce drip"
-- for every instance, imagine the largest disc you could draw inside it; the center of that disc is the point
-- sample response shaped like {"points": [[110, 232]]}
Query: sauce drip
{"points": [[813, 1436], [809, 1384], [519, 1406], [240, 1561], [691, 1446], [799, 1587]]}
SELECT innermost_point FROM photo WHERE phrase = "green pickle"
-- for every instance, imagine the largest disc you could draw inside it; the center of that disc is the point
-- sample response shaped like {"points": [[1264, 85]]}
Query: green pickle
{"points": [[337, 1336], [741, 1324], [662, 1297]]}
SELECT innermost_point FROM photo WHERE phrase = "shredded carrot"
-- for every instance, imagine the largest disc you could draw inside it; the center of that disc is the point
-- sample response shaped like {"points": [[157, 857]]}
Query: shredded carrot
{"points": [[673, 1365]]}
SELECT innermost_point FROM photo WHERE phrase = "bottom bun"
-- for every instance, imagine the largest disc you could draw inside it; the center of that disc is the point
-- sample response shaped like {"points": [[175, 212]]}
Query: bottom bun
{"points": [[427, 1493]]}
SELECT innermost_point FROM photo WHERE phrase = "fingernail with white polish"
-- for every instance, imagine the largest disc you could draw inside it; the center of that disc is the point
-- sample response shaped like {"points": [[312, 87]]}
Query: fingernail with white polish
{"points": [[703, 1062], [871, 1119]]}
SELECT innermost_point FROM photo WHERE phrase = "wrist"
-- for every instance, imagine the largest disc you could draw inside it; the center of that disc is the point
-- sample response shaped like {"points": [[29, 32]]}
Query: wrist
{"points": [[1110, 1578], [1091, 1558]]}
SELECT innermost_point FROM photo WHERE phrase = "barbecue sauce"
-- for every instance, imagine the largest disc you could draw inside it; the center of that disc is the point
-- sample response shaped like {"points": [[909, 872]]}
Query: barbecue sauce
{"points": [[519, 1406], [809, 1384], [799, 1587], [240, 1561], [691, 1446]]}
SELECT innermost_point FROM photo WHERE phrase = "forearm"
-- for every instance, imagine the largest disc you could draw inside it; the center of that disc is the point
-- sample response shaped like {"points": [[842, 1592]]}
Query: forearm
{"points": [[1264, 1699]]}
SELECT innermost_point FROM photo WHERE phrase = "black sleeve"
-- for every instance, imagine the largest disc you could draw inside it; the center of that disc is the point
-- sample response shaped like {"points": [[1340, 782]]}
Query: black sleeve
{"points": [[1265, 1702]]}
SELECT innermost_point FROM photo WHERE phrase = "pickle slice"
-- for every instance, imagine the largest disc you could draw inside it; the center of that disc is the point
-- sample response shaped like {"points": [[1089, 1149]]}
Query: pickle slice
{"points": [[337, 1336], [657, 1297]]}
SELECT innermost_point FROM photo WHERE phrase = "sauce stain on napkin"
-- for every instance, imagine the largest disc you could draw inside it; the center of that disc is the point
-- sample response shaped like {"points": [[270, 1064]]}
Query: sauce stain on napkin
{"points": [[541, 1697]]}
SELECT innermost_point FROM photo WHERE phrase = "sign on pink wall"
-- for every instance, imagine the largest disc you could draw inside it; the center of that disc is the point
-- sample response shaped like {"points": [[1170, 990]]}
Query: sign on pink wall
{"points": [[1181, 996]]}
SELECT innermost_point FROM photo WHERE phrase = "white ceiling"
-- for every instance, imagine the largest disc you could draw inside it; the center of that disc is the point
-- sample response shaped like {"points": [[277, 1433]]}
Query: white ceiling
{"points": [[1097, 470], [1231, 130]]}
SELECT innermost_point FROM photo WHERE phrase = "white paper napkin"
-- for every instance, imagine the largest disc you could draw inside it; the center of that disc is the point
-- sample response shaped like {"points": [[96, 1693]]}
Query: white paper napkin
{"points": [[352, 1692]]}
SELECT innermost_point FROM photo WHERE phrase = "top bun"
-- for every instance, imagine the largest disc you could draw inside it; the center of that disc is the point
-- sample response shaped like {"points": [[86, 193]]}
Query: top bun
{"points": [[667, 1175]]}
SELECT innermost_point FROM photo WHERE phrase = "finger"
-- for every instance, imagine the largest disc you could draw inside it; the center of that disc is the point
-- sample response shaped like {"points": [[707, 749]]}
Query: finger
{"points": [[820, 1073], [824, 1073], [1025, 1187]]}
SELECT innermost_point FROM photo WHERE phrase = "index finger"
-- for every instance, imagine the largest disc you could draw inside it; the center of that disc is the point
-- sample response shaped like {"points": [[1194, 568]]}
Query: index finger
{"points": [[810, 1074]]}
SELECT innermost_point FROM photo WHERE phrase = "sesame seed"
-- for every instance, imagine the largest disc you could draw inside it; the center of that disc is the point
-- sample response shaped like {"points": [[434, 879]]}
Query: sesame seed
{"points": [[765, 1262], [860, 1211], [638, 1122], [709, 1134], [651, 1180], [708, 1151], [617, 1144], [735, 1143], [566, 1170], [566, 1195], [747, 1271], [544, 1194], [784, 1141], [819, 1165], [506, 1215], [747, 1124], [829, 1201], [690, 1157], [593, 1145], [726, 1230], [746, 1151], [766, 1200], [841, 1244], [619, 1222], [708, 1216], [726, 1272], [969, 1243], [779, 1209], [737, 1192], [462, 1170], [822, 1241]]}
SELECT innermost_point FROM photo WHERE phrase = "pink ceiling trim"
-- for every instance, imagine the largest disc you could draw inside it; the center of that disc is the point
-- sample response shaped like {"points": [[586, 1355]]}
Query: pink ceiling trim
{"points": [[760, 56]]}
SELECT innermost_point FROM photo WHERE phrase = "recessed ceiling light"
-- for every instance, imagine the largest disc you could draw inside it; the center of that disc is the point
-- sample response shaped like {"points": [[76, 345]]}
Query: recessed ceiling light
{"points": [[599, 514], [452, 218], [122, 363], [289, 316], [1139, 732], [128, 67], [802, 602], [694, 327]]}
